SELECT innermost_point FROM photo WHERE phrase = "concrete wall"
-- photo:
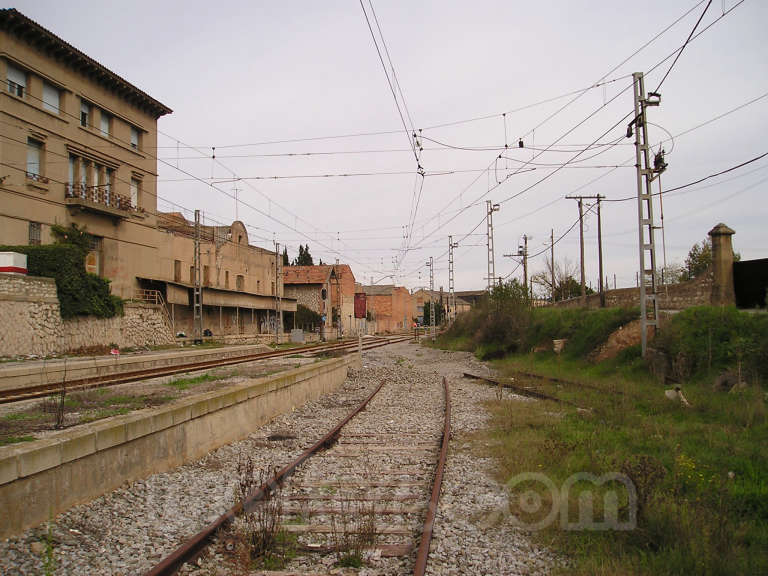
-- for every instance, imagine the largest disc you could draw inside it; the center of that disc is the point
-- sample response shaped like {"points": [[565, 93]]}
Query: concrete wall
{"points": [[32, 324], [48, 476]]}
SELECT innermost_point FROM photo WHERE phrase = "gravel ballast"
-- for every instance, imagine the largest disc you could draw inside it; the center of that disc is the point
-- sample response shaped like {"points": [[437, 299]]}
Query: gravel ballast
{"points": [[132, 528]]}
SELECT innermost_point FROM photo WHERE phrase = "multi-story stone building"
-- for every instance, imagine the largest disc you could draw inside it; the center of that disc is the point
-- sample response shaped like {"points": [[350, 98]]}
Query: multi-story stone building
{"points": [[242, 292], [77, 146]]}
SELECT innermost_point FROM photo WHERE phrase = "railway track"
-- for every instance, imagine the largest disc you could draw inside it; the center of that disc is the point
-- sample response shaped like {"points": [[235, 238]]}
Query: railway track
{"points": [[373, 481], [43, 390]]}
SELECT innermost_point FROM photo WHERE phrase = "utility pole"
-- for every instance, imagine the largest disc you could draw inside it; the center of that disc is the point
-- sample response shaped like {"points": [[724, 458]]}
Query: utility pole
{"points": [[431, 299], [278, 300], [490, 209], [198, 289], [451, 293], [601, 286], [431, 265], [552, 260], [645, 176], [597, 197], [340, 333], [525, 262]]}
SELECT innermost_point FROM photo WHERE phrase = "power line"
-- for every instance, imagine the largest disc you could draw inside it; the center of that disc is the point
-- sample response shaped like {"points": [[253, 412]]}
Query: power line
{"points": [[683, 46], [389, 81]]}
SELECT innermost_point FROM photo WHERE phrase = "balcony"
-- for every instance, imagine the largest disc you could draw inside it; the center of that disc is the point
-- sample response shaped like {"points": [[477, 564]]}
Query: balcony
{"points": [[99, 199]]}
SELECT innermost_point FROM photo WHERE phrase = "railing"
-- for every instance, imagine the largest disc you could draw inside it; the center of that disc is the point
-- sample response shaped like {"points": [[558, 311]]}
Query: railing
{"points": [[37, 178], [154, 297], [99, 195]]}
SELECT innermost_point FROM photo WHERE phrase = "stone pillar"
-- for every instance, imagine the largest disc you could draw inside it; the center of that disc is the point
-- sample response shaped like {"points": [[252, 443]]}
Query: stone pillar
{"points": [[722, 266]]}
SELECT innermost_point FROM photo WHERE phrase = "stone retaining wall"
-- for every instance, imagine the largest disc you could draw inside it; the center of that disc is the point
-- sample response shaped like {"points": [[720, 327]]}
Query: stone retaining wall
{"points": [[697, 292], [31, 322]]}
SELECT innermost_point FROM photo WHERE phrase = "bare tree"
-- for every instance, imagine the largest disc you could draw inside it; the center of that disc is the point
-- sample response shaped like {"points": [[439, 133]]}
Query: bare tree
{"points": [[566, 285]]}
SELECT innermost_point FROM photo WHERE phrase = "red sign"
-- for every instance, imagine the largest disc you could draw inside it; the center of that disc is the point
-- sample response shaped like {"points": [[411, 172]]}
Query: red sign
{"points": [[359, 304]]}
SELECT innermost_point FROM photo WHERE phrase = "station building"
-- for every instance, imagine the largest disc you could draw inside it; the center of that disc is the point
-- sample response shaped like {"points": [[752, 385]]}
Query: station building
{"points": [[77, 146]]}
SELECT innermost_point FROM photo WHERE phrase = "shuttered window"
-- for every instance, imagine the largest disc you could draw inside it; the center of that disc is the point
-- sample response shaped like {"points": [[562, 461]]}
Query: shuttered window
{"points": [[105, 123], [34, 155], [134, 138], [85, 113], [17, 80], [50, 98]]}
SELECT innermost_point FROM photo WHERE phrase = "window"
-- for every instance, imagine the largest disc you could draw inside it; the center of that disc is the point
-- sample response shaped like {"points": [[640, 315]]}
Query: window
{"points": [[206, 275], [135, 192], [85, 113], [93, 258], [34, 233], [226, 279], [34, 158], [110, 176], [106, 122], [134, 138], [17, 81], [83, 177], [71, 177], [240, 282], [50, 98], [177, 270], [191, 274]]}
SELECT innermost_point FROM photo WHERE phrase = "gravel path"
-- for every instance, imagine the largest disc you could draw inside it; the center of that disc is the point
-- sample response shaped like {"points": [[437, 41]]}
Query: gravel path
{"points": [[129, 530]]}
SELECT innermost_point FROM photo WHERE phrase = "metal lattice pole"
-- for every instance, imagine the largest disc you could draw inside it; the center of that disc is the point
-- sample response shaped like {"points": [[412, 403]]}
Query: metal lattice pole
{"points": [[197, 310], [431, 299], [451, 293], [490, 209], [645, 225]]}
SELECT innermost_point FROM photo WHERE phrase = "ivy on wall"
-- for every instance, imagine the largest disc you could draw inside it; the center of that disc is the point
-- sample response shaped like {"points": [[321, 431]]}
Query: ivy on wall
{"points": [[80, 293]]}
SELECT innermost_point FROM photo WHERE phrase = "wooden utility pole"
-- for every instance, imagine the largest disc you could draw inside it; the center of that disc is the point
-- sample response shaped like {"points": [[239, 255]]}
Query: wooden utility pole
{"points": [[601, 286], [552, 259], [597, 197]]}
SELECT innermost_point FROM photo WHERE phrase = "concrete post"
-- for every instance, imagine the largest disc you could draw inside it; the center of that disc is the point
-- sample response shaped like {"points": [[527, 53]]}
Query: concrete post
{"points": [[722, 266]]}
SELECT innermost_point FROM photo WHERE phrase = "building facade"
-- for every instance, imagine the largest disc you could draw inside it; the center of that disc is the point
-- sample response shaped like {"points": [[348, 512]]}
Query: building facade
{"points": [[242, 293], [307, 284], [77, 146], [390, 306]]}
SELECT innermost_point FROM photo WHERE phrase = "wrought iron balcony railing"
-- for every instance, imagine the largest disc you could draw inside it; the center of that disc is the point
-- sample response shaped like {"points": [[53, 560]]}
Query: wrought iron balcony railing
{"points": [[99, 198]]}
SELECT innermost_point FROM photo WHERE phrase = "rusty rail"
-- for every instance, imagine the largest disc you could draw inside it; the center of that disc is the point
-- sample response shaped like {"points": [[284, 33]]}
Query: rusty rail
{"points": [[426, 536], [194, 546], [31, 392]]}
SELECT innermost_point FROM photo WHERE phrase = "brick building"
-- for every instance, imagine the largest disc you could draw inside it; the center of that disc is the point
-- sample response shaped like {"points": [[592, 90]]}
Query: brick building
{"points": [[306, 285], [390, 306]]}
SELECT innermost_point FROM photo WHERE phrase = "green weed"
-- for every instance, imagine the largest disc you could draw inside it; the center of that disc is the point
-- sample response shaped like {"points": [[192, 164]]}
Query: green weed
{"points": [[4, 441]]}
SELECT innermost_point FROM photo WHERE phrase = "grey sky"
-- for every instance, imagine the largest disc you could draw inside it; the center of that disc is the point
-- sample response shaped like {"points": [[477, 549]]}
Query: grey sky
{"points": [[238, 73]]}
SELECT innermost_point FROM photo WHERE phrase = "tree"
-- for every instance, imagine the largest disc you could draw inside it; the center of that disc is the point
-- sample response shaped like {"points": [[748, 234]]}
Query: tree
{"points": [[439, 313], [566, 285], [304, 258], [286, 262], [698, 261]]}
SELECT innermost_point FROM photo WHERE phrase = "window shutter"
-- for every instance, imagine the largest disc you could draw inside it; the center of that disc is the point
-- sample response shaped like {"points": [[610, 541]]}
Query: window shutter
{"points": [[50, 98], [17, 76], [33, 157]]}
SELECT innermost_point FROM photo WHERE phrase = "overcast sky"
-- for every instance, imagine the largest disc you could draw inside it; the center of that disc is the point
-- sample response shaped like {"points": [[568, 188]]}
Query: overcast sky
{"points": [[242, 75]]}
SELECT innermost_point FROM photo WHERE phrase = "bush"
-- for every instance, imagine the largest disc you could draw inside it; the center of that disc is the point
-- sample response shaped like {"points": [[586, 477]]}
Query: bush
{"points": [[80, 293], [708, 338], [585, 330]]}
